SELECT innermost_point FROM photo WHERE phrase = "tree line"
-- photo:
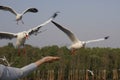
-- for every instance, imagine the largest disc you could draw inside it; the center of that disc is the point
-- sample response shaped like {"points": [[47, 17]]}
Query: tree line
{"points": [[85, 58]]}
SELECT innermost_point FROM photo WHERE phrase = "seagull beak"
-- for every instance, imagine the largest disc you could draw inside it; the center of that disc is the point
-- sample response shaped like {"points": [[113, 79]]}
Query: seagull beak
{"points": [[27, 36]]}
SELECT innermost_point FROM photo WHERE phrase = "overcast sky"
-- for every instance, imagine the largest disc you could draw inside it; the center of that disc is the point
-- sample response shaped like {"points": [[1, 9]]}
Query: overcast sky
{"points": [[88, 19]]}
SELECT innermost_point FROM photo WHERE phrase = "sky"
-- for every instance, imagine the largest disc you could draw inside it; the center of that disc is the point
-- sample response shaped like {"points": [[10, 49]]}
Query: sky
{"points": [[87, 19]]}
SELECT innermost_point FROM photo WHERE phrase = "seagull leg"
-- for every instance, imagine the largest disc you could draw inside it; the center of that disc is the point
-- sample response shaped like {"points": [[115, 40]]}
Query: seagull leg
{"points": [[17, 22], [73, 51], [24, 51], [18, 51], [22, 21]]}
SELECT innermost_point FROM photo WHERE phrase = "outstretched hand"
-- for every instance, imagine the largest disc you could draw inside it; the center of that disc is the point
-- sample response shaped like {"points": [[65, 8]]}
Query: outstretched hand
{"points": [[46, 59], [50, 59]]}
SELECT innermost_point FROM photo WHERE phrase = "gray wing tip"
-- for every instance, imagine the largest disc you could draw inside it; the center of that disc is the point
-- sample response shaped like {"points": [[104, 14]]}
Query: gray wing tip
{"points": [[55, 23], [106, 37], [1, 7], [52, 21], [33, 10], [55, 14], [4, 7]]}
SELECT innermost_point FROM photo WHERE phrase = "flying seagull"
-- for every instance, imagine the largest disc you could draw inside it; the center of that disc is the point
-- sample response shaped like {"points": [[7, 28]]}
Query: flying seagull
{"points": [[18, 15], [22, 36], [6, 61], [91, 72], [76, 43]]}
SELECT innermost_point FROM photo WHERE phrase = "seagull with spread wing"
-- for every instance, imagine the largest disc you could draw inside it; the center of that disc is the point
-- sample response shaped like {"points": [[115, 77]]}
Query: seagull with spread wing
{"points": [[18, 15], [91, 72], [76, 43], [22, 36]]}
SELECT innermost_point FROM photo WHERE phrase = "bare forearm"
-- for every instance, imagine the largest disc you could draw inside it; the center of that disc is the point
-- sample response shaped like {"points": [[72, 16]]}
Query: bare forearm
{"points": [[46, 59], [39, 62]]}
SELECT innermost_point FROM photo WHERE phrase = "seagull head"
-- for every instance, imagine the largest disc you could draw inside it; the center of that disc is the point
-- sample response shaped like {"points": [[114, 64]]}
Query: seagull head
{"points": [[83, 44], [26, 35]]}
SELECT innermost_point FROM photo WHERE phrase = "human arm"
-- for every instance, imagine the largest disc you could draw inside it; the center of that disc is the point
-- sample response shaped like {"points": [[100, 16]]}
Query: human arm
{"points": [[31, 67], [46, 59]]}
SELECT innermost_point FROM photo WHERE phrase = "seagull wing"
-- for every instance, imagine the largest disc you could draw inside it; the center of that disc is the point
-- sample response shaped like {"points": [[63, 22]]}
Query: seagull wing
{"points": [[36, 29], [72, 37], [33, 10], [7, 35], [96, 40], [6, 8]]}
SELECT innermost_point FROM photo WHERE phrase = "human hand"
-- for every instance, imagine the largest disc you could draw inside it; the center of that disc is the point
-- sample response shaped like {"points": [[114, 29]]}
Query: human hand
{"points": [[50, 59]]}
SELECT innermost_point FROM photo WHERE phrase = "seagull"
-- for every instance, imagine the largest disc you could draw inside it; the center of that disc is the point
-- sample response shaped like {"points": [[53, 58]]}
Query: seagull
{"points": [[91, 72], [22, 36], [5, 60], [18, 15], [76, 43]]}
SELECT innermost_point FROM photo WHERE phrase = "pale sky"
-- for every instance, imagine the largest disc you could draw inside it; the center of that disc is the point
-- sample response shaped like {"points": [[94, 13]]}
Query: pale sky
{"points": [[88, 19]]}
